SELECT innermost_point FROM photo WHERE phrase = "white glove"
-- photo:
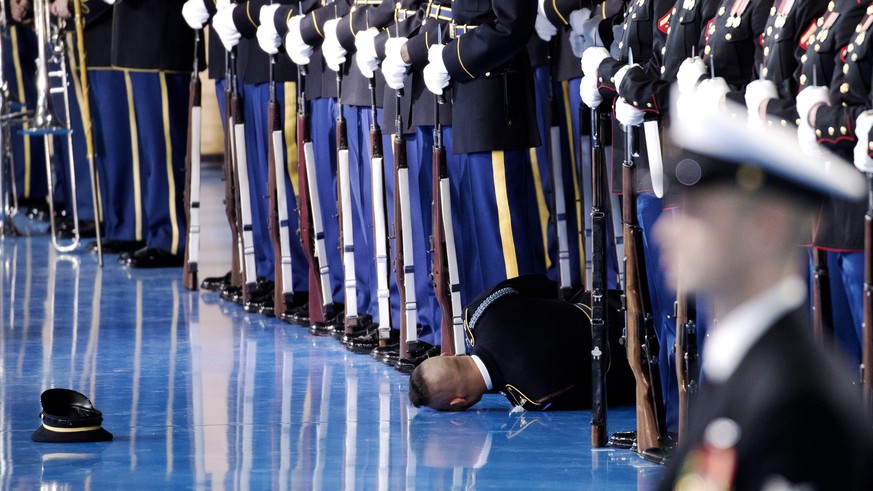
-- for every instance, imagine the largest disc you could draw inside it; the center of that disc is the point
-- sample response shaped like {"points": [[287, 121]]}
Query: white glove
{"points": [[863, 125], [588, 91], [809, 98], [393, 67], [757, 93], [619, 76], [627, 114], [110, 2], [222, 4], [545, 29], [689, 73], [366, 57], [194, 12], [297, 50], [436, 76], [578, 18], [591, 59], [223, 25], [268, 37], [807, 139], [334, 53], [713, 92], [541, 7]]}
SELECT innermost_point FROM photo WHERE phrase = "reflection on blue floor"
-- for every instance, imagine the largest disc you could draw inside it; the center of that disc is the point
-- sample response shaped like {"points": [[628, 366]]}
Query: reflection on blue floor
{"points": [[201, 395]]}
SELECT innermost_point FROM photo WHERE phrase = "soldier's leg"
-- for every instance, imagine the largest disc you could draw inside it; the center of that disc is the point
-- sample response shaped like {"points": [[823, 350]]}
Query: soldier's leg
{"points": [[361, 214], [323, 126], [847, 293], [120, 187], [542, 175], [256, 97], [286, 94]]}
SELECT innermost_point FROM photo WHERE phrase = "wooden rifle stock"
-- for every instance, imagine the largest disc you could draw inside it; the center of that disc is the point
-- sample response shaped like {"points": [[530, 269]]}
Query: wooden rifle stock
{"points": [[687, 369], [867, 337], [230, 189], [822, 320], [274, 123], [346, 234], [638, 335], [440, 268], [307, 232], [599, 318], [243, 200], [192, 176], [380, 219], [401, 169]]}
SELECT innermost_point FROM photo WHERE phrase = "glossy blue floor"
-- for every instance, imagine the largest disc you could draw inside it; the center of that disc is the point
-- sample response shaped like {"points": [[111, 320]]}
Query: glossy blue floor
{"points": [[200, 395]]}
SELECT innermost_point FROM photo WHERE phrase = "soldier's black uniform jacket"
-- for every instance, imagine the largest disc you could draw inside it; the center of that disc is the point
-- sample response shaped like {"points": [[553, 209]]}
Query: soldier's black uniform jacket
{"points": [[253, 64], [795, 423], [685, 22], [537, 348], [152, 35], [733, 42], [841, 224], [407, 17], [436, 18], [98, 35], [491, 76], [788, 32], [321, 81]]}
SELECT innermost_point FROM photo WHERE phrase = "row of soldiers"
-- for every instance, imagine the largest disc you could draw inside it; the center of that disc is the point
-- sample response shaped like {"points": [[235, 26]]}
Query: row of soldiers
{"points": [[489, 115]]}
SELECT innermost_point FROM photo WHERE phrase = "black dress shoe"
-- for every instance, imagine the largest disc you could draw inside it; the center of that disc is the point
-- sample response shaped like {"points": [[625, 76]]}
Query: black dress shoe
{"points": [[661, 456], [414, 359], [330, 325], [116, 246], [387, 354], [367, 341], [259, 296], [356, 327], [66, 229], [623, 439], [215, 283], [299, 315], [231, 293], [153, 258], [267, 309]]}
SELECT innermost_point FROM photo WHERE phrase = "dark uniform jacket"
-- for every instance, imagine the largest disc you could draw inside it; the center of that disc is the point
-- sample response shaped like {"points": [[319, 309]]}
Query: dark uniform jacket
{"points": [[841, 223], [436, 17], [253, 63], [788, 32], [152, 35], [492, 81], [98, 35], [795, 419], [406, 20], [537, 348]]}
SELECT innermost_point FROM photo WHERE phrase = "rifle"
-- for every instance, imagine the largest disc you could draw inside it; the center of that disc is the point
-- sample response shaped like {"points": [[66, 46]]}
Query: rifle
{"points": [[445, 260], [192, 174], [600, 356], [639, 339], [822, 320], [403, 256], [311, 222], [867, 337], [230, 186], [687, 370], [280, 235], [244, 203], [344, 209], [380, 228]]}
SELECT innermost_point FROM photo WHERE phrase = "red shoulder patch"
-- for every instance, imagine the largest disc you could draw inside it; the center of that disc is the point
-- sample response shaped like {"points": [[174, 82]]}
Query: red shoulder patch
{"points": [[664, 22]]}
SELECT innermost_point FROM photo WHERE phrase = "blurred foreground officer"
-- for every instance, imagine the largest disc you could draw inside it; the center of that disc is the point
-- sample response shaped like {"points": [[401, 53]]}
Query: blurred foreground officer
{"points": [[155, 47], [773, 411], [528, 345]]}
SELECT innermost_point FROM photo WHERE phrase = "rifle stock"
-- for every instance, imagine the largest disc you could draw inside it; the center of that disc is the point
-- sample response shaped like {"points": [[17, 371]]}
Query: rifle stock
{"points": [[344, 210], [685, 354], [867, 337], [243, 197], [230, 185], [380, 213], [403, 246], [638, 339], [599, 318], [192, 179], [559, 205], [274, 221], [822, 321], [440, 267]]}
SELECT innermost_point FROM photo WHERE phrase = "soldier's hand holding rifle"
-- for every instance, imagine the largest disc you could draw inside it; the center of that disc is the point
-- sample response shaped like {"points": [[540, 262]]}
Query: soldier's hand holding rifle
{"points": [[436, 76], [224, 27], [863, 125], [367, 59], [195, 14], [591, 59], [808, 101], [268, 38], [394, 68], [297, 50], [334, 53]]}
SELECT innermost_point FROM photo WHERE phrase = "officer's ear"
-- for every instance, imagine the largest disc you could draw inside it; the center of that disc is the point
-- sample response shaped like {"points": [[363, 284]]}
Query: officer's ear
{"points": [[459, 403]]}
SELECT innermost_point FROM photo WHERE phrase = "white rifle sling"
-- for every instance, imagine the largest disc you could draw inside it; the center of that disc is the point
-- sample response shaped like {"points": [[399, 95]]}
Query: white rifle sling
{"points": [[282, 209]]}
